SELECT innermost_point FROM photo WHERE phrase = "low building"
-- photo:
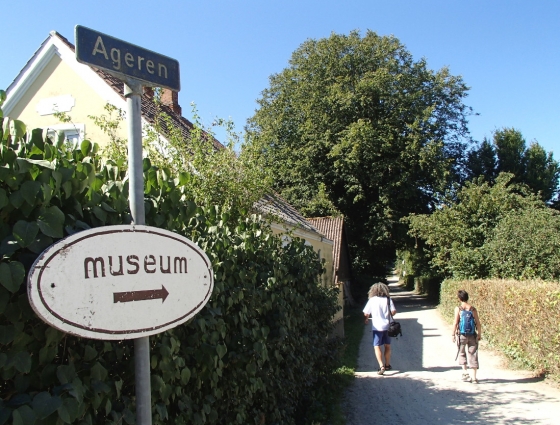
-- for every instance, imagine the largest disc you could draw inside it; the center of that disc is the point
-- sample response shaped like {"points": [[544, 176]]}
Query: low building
{"points": [[333, 228]]}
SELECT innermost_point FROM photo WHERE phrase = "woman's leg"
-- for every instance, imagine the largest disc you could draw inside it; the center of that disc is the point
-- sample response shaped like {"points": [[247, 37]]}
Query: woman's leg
{"points": [[378, 355], [387, 354]]}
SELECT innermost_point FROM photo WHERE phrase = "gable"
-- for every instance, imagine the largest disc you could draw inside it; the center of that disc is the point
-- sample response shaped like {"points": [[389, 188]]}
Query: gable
{"points": [[51, 81]]}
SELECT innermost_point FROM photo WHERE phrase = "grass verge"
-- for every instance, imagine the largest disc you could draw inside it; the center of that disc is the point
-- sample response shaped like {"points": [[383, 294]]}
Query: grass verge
{"points": [[344, 375]]}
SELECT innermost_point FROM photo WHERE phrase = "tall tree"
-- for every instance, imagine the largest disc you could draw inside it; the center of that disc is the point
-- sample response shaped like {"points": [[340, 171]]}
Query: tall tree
{"points": [[482, 162], [542, 172], [378, 131], [510, 150], [508, 153]]}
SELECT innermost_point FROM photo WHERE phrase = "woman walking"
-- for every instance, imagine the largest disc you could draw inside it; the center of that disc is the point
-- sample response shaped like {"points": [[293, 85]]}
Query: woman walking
{"points": [[377, 307]]}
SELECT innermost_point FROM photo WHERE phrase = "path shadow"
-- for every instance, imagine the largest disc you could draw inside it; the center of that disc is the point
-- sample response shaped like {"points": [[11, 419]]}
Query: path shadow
{"points": [[420, 398], [447, 406]]}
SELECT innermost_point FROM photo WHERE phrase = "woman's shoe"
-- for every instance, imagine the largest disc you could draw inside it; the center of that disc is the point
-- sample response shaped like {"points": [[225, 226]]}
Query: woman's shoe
{"points": [[381, 370], [388, 367]]}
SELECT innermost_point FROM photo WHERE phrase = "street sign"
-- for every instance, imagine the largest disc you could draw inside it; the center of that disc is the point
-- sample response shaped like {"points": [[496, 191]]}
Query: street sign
{"points": [[126, 60], [120, 282]]}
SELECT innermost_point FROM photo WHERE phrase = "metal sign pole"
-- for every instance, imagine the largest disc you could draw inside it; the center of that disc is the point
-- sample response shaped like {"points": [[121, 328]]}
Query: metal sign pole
{"points": [[133, 94]]}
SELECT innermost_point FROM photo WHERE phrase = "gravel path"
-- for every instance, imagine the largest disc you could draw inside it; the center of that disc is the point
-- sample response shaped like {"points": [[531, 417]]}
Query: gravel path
{"points": [[424, 386]]}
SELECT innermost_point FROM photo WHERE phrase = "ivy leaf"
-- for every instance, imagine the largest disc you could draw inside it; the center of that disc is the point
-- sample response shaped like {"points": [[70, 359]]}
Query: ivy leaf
{"points": [[22, 362], [185, 376], [41, 243], [222, 350], [44, 404], [251, 369], [16, 199], [29, 191], [17, 129], [51, 222], [25, 232], [66, 373], [11, 275], [85, 147], [69, 410], [99, 213], [98, 372], [24, 415], [90, 353], [37, 138]]}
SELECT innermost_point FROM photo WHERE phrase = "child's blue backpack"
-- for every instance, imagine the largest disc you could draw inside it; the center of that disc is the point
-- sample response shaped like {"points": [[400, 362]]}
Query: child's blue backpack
{"points": [[466, 322]]}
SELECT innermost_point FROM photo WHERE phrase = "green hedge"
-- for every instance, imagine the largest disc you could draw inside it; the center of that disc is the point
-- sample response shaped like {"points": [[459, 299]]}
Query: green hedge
{"points": [[521, 318], [255, 353]]}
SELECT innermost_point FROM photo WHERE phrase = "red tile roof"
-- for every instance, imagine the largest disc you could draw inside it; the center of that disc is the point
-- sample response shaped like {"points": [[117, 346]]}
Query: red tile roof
{"points": [[332, 228]]}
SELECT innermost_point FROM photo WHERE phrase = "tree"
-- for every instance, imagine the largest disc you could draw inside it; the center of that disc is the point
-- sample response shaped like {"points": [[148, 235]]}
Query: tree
{"points": [[380, 132], [482, 162], [508, 153], [461, 229], [542, 172], [510, 150]]}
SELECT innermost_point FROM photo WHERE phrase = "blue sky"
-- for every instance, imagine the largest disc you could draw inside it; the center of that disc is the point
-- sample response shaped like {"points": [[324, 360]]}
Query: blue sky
{"points": [[507, 51]]}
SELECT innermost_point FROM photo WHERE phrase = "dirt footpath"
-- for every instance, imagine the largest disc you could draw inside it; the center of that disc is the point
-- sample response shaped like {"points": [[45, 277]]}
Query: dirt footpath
{"points": [[424, 386]]}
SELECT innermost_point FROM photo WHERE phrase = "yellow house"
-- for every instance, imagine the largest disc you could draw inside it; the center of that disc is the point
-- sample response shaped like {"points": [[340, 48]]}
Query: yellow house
{"points": [[290, 223], [53, 81]]}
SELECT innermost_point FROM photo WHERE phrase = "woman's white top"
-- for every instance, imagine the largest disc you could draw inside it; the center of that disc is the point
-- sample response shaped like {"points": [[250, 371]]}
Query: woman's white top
{"points": [[377, 307]]}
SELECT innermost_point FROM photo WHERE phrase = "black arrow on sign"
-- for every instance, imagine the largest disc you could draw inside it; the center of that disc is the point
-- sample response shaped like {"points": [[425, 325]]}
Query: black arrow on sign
{"points": [[152, 294]]}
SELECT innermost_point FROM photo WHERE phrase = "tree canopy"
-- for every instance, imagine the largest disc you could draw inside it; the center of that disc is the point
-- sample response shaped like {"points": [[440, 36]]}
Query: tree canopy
{"points": [[508, 152], [491, 230], [355, 125]]}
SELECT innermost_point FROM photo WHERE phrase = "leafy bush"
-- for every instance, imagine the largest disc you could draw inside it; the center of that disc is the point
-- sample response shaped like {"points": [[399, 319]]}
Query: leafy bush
{"points": [[458, 231], [526, 245], [257, 350], [519, 318]]}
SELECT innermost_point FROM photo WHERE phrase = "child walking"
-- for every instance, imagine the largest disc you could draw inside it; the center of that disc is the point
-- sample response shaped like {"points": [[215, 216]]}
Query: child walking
{"points": [[467, 332]]}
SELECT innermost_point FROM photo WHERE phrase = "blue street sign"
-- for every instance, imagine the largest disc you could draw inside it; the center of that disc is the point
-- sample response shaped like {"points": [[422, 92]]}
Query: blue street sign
{"points": [[125, 60]]}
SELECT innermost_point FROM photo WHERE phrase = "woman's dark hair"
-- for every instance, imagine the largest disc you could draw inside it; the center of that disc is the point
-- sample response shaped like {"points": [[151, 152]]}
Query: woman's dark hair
{"points": [[463, 295]]}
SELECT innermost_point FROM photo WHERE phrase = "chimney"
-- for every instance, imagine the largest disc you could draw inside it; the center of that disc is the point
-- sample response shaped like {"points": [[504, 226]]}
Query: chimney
{"points": [[149, 91], [170, 98]]}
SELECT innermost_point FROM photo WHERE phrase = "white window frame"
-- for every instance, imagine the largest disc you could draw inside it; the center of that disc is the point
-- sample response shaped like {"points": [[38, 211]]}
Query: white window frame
{"points": [[68, 129]]}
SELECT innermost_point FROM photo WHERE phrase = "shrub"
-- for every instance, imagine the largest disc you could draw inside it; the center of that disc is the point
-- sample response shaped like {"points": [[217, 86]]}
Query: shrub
{"points": [[526, 245], [258, 348]]}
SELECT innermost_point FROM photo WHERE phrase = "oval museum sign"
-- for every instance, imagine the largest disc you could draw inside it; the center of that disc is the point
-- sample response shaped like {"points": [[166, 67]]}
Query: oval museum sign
{"points": [[120, 282]]}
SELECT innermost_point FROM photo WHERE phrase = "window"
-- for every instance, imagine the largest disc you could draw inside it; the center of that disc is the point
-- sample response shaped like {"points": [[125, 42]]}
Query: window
{"points": [[72, 133]]}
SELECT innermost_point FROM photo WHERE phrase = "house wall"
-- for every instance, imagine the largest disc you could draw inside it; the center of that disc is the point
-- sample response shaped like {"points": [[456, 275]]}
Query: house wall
{"points": [[324, 248], [58, 79]]}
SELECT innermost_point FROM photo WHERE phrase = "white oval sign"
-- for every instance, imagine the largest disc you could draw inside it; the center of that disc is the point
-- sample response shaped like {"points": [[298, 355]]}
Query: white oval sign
{"points": [[120, 282]]}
